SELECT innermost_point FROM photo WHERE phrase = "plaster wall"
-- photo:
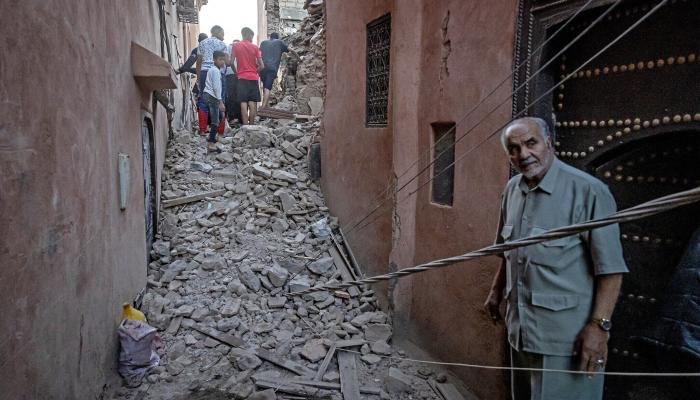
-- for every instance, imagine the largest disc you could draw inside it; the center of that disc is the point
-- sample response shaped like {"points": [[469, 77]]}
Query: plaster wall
{"points": [[446, 56], [70, 256], [356, 160], [467, 51]]}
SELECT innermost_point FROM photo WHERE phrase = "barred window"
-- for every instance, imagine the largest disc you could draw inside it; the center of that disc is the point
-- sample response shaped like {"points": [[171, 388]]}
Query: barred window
{"points": [[378, 46], [443, 160]]}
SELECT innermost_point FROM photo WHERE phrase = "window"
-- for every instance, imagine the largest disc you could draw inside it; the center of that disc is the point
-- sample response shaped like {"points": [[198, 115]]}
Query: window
{"points": [[378, 41], [443, 168]]}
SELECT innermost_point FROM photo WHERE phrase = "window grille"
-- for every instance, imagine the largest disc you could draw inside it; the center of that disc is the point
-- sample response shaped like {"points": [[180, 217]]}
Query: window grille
{"points": [[444, 158], [378, 50]]}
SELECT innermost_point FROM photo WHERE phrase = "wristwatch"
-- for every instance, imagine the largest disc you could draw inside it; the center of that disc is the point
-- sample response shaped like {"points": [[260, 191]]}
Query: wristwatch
{"points": [[603, 323]]}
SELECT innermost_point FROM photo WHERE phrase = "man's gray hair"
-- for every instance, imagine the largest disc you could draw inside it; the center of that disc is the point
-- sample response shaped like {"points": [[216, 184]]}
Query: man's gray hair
{"points": [[544, 128]]}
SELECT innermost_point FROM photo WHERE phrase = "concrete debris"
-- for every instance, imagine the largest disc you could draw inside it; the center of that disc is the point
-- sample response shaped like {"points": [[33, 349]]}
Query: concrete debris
{"points": [[237, 240], [397, 382]]}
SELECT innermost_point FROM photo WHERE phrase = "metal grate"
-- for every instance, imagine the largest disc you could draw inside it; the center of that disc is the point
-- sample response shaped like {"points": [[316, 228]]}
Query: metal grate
{"points": [[378, 46]]}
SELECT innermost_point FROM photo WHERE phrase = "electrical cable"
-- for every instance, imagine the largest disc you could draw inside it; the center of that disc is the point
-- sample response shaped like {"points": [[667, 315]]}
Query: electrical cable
{"points": [[522, 112], [521, 86], [488, 95], [646, 209]]}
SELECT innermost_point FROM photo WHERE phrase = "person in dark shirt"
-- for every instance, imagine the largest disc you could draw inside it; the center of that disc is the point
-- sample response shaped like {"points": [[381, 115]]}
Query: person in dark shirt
{"points": [[189, 63], [272, 50]]}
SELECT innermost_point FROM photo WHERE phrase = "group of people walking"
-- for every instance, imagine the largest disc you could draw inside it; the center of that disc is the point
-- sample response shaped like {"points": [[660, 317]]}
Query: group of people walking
{"points": [[228, 78]]}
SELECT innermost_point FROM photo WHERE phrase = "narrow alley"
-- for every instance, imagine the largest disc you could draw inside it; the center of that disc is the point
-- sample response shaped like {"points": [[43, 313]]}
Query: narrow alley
{"points": [[223, 265], [350, 199]]}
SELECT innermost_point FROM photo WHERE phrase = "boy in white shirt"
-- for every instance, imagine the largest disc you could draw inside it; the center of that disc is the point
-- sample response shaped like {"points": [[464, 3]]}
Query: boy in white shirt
{"points": [[213, 91]]}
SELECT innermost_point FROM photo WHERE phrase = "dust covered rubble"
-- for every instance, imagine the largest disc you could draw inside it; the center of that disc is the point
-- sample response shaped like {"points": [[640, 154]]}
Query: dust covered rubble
{"points": [[303, 82], [223, 265]]}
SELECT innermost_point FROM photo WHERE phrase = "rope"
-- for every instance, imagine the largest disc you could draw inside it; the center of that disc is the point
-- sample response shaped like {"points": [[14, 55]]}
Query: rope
{"points": [[521, 113], [643, 210], [566, 371]]}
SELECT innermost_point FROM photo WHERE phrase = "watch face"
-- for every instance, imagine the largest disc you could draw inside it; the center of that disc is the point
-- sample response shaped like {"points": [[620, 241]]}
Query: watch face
{"points": [[605, 324]]}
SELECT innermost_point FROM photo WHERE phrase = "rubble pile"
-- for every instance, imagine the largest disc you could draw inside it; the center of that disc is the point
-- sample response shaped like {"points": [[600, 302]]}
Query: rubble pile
{"points": [[303, 83], [240, 230]]}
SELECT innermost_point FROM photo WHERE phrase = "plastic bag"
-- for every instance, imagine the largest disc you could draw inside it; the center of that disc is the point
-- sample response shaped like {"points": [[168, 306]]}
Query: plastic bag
{"points": [[137, 354]]}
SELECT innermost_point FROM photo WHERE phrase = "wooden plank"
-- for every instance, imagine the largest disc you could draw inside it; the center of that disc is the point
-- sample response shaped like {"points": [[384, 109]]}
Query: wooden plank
{"points": [[192, 198], [326, 362], [286, 364], [336, 386], [294, 388], [449, 391], [349, 343], [355, 266], [433, 385], [342, 255], [221, 337], [344, 271], [349, 386]]}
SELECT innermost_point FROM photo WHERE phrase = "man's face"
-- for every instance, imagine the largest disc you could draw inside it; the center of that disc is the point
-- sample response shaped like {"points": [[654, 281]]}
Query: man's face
{"points": [[529, 152]]}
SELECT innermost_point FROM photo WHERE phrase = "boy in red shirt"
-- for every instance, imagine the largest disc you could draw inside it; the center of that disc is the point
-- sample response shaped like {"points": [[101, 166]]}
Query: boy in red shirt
{"points": [[248, 63]]}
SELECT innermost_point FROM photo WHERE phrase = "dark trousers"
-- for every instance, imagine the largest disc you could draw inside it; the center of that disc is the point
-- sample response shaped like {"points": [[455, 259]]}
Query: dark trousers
{"points": [[233, 107], [213, 108]]}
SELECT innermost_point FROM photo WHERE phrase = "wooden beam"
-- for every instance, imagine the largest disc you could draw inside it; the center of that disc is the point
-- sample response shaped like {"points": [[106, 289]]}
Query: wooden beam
{"points": [[349, 343], [286, 364], [294, 388], [335, 386], [355, 266], [344, 271], [349, 386], [192, 198], [221, 337], [326, 362]]}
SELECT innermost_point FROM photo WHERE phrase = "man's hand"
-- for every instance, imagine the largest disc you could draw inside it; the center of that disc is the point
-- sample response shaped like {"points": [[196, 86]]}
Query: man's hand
{"points": [[492, 305], [222, 107], [591, 346]]}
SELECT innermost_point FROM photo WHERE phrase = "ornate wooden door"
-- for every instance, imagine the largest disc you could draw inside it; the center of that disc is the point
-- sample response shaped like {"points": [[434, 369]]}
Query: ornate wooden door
{"points": [[632, 119]]}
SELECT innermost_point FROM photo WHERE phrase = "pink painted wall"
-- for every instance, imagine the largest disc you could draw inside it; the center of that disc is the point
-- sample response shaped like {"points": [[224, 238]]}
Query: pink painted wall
{"points": [[356, 160], [69, 255], [439, 310]]}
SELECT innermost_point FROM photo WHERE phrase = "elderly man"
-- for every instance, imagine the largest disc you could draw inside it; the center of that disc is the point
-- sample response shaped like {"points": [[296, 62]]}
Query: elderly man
{"points": [[560, 295]]}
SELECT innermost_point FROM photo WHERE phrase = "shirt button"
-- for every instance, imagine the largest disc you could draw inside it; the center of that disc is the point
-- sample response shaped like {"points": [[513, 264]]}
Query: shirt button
{"points": [[520, 283], [520, 260]]}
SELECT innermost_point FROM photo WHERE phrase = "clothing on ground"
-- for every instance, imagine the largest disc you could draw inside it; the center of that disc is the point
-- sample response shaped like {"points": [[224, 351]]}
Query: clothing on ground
{"points": [[268, 77], [550, 286], [214, 83], [213, 107], [536, 385], [206, 49], [248, 91], [246, 54], [272, 50]]}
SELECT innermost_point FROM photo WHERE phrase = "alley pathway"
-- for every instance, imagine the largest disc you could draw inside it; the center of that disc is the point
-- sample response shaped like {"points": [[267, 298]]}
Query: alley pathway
{"points": [[223, 264]]}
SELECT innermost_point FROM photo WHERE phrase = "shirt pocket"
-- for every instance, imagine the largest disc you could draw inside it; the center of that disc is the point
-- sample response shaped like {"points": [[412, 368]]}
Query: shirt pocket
{"points": [[556, 253], [555, 302]]}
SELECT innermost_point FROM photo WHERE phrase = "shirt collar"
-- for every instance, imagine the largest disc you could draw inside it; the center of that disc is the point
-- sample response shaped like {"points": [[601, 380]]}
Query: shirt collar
{"points": [[547, 183]]}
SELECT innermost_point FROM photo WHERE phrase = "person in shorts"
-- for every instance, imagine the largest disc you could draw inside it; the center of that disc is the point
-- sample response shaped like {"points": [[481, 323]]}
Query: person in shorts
{"points": [[248, 60], [272, 50]]}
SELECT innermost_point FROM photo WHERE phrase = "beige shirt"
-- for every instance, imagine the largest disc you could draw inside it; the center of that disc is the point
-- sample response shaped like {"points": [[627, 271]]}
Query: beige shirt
{"points": [[549, 286]]}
